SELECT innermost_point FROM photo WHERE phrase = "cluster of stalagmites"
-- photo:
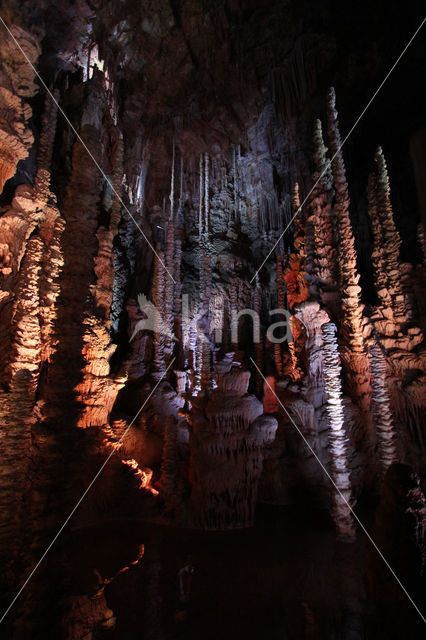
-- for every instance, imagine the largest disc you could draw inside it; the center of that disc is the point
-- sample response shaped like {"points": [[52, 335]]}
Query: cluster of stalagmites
{"points": [[318, 281], [63, 290], [56, 279]]}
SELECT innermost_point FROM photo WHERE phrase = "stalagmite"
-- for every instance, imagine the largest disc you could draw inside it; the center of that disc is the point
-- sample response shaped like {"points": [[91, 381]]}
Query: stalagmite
{"points": [[380, 274], [391, 241], [350, 291], [381, 410], [294, 269], [323, 268], [342, 492], [228, 435]]}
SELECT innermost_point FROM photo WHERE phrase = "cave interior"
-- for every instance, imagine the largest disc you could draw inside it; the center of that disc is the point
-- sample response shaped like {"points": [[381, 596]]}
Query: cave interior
{"points": [[212, 318]]}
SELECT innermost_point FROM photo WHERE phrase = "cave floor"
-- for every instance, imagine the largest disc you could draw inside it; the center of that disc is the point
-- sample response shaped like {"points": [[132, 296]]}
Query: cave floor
{"points": [[284, 578]]}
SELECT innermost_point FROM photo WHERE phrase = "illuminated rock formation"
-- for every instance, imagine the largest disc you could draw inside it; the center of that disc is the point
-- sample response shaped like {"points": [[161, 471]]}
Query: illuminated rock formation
{"points": [[342, 491], [381, 410], [17, 83], [228, 433], [324, 228], [352, 308], [390, 240], [294, 275]]}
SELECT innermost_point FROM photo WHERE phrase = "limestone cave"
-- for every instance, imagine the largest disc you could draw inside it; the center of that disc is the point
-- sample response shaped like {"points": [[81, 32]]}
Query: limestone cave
{"points": [[212, 318]]}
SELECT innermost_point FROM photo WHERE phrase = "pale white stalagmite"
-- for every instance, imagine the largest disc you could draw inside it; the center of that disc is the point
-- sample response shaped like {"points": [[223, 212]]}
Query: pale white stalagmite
{"points": [[390, 237], [381, 409], [342, 496]]}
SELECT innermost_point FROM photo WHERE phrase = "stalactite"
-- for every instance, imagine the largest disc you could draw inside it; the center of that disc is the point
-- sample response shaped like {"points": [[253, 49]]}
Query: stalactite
{"points": [[172, 186], [391, 241], [259, 345], [337, 436], [157, 295], [117, 179], [200, 211], [381, 410], [204, 349], [169, 289], [206, 194], [177, 285], [281, 305]]}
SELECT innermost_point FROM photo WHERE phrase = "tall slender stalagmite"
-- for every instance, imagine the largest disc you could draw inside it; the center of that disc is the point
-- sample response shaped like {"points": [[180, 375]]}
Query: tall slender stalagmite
{"points": [[391, 240], [324, 258], [295, 264], [350, 291], [342, 492], [380, 275]]}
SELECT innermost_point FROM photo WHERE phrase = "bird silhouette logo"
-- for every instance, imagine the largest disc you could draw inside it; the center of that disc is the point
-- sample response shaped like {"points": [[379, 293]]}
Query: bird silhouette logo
{"points": [[153, 321]]}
